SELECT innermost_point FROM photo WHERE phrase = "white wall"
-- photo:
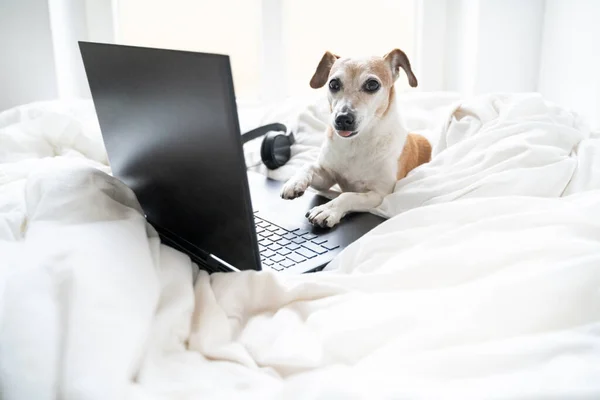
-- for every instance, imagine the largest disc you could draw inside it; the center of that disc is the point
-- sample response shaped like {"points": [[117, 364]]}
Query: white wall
{"points": [[570, 61], [27, 71]]}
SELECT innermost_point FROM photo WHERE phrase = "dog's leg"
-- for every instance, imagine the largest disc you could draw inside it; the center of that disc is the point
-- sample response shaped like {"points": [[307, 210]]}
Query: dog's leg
{"points": [[329, 214], [310, 175]]}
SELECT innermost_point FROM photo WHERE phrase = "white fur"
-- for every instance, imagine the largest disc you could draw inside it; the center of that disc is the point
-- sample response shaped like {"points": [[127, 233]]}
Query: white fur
{"points": [[364, 166]]}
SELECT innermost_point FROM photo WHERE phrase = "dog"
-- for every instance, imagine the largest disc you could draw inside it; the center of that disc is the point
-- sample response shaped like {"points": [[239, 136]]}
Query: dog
{"points": [[367, 149]]}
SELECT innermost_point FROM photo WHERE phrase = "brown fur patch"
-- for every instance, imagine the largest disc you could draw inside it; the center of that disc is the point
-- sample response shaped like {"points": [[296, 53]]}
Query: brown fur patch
{"points": [[398, 59], [417, 151], [379, 67], [390, 102], [322, 72]]}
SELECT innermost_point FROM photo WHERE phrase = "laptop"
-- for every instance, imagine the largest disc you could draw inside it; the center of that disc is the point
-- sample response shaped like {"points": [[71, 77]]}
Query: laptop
{"points": [[170, 126]]}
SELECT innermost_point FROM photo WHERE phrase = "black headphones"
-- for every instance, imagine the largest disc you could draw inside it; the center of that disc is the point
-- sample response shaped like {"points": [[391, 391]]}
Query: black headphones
{"points": [[276, 147]]}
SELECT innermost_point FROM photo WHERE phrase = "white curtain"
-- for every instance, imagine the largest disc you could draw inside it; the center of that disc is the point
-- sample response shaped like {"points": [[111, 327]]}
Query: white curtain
{"points": [[40, 54], [464, 46], [570, 56], [27, 62], [72, 21], [545, 46]]}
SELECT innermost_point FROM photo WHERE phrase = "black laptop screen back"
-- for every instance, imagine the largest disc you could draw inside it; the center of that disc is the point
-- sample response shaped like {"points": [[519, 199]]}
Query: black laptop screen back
{"points": [[170, 127]]}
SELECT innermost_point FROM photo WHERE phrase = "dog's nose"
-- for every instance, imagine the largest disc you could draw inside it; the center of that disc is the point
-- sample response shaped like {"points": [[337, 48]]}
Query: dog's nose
{"points": [[344, 122]]}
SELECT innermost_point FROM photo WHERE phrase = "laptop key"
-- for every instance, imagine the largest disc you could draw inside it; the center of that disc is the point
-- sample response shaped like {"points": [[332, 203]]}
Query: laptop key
{"points": [[283, 251], [272, 228], [300, 232], [299, 240], [319, 240], [289, 236], [267, 262], [314, 247], [275, 237], [283, 242], [265, 242], [265, 234], [274, 247], [330, 246], [306, 252], [297, 258], [261, 248], [277, 267], [278, 258], [287, 263], [267, 253], [309, 236], [293, 246], [259, 229], [280, 232]]}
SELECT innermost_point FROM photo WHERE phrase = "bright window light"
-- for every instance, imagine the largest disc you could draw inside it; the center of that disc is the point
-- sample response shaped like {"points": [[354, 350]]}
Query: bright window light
{"points": [[298, 33]]}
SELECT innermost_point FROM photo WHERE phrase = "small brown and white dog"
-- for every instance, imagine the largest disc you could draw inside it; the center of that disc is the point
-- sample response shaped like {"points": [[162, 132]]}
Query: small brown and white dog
{"points": [[367, 149]]}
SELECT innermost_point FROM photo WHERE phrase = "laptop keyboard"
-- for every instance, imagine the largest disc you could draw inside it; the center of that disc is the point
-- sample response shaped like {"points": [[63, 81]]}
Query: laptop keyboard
{"points": [[281, 249]]}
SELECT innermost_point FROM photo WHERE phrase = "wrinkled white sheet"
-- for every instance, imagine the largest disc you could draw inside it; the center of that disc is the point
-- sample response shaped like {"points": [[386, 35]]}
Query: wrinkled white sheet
{"points": [[485, 285]]}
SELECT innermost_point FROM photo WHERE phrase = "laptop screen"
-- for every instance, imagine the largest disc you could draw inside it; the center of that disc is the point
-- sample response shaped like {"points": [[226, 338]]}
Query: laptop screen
{"points": [[170, 127]]}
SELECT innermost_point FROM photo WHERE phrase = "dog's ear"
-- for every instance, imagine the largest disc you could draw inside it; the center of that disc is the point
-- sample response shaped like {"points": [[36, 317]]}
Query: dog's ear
{"points": [[322, 72], [396, 59]]}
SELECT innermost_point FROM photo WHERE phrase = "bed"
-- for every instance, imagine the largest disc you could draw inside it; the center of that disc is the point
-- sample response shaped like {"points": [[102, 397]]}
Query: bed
{"points": [[483, 283]]}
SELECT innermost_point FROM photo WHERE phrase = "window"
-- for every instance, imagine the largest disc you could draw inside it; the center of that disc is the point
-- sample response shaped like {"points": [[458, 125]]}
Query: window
{"points": [[274, 45], [226, 26]]}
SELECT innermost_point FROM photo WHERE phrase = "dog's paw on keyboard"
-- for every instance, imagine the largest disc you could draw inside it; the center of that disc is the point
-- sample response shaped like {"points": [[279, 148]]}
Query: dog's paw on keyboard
{"points": [[324, 216], [293, 189]]}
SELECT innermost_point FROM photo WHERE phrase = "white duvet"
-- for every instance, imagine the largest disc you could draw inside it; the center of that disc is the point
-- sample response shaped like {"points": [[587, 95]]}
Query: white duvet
{"points": [[484, 284]]}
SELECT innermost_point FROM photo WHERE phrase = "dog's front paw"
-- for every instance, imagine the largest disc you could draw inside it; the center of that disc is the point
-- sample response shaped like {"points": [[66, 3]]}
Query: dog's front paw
{"points": [[294, 188], [324, 216]]}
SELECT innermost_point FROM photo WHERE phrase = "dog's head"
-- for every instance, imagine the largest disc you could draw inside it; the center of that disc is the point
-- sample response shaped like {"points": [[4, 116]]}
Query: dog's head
{"points": [[360, 90]]}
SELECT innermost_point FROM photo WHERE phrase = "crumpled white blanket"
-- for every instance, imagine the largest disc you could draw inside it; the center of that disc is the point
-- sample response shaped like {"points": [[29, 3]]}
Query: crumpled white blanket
{"points": [[484, 285], [497, 144]]}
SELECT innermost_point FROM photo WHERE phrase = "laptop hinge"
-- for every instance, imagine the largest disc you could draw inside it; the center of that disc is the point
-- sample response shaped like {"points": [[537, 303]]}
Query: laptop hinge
{"points": [[204, 260], [214, 260]]}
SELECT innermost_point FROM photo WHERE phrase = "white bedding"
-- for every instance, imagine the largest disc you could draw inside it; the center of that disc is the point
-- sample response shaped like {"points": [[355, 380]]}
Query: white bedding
{"points": [[485, 284]]}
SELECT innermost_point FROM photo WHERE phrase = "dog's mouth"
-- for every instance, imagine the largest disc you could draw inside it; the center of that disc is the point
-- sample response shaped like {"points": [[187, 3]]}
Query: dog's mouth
{"points": [[346, 134]]}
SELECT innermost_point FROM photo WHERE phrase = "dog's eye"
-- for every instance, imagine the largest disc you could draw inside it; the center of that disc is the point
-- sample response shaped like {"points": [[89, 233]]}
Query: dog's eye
{"points": [[371, 85], [334, 85]]}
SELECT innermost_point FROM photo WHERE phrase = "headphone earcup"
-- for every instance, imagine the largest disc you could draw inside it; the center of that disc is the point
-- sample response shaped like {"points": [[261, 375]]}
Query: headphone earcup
{"points": [[276, 149]]}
